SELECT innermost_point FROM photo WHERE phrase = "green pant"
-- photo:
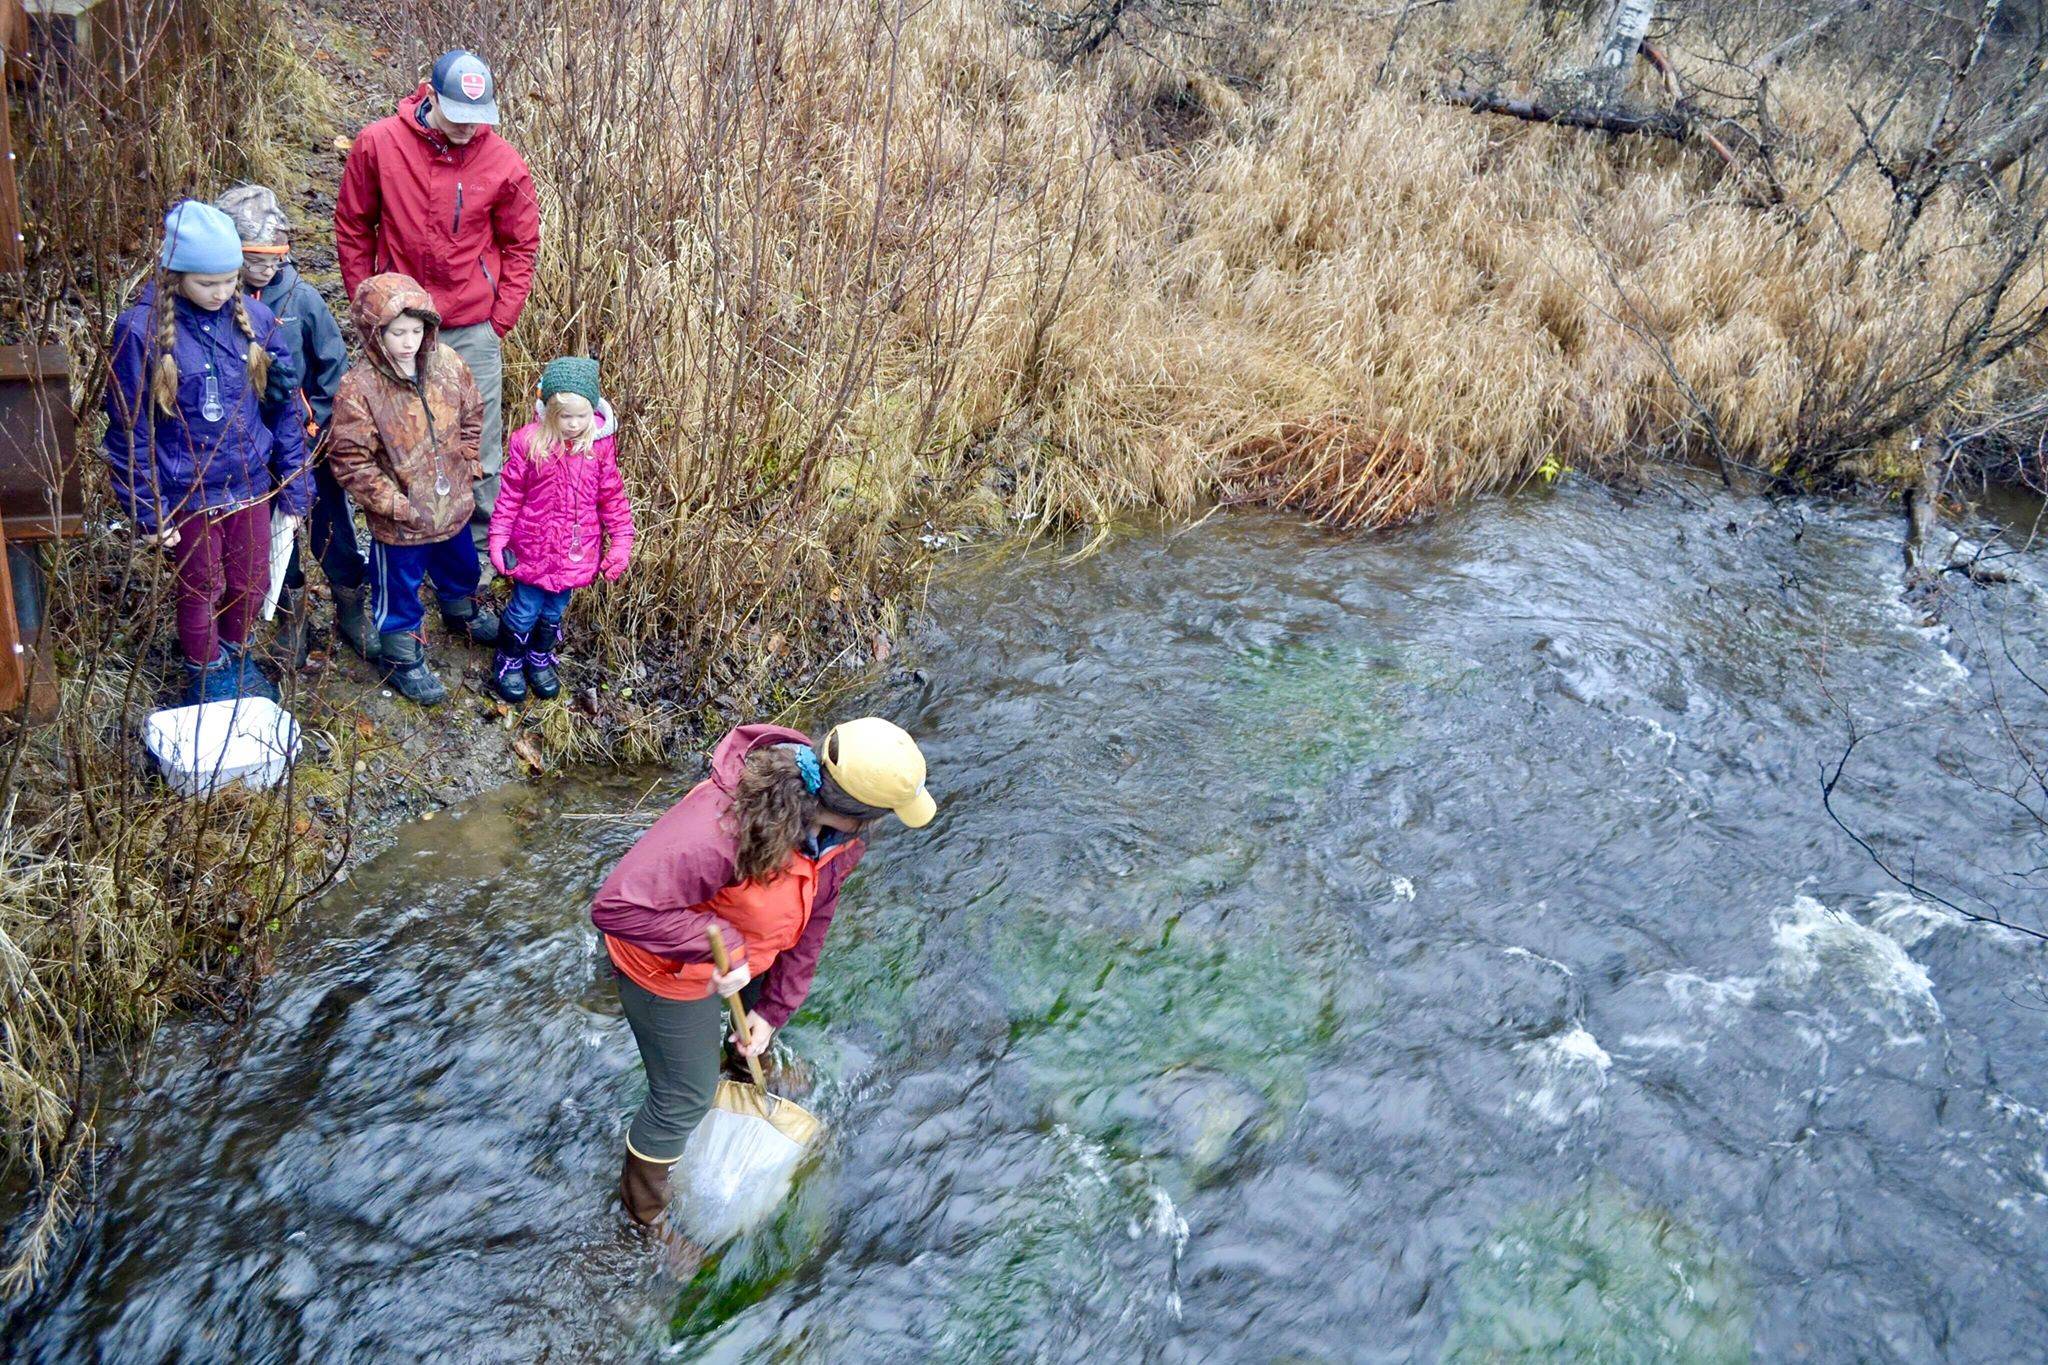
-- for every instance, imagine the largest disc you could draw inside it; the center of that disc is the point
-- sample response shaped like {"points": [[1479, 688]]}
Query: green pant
{"points": [[679, 1045], [480, 348]]}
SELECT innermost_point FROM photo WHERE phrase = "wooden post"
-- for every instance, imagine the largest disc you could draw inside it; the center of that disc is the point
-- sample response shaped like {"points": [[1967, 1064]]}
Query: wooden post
{"points": [[10, 196], [14, 38], [14, 660], [24, 667], [14, 25]]}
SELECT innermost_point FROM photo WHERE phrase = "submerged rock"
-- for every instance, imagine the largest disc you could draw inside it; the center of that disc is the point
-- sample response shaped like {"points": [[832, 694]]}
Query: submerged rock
{"points": [[1600, 1277], [1207, 1121]]}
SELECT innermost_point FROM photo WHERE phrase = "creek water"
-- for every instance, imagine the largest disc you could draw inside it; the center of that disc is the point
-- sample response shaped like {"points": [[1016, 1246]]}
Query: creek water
{"points": [[1422, 946]]}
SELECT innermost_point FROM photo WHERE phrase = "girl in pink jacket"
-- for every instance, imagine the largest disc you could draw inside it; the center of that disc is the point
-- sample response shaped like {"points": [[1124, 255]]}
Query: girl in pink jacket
{"points": [[560, 521]]}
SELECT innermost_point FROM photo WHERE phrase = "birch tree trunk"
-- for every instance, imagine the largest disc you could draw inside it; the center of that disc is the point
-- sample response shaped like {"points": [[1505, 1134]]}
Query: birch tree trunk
{"points": [[1621, 29]]}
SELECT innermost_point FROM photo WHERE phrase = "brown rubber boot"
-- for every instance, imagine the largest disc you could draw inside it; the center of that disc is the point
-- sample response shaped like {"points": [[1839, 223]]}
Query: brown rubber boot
{"points": [[643, 1189]]}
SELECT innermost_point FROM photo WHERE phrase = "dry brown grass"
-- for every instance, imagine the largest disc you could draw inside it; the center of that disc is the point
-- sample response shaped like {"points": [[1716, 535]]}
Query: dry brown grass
{"points": [[914, 275], [1494, 293]]}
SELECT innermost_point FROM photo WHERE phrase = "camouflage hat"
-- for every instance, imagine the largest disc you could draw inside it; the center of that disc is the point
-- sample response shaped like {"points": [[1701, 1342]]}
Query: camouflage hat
{"points": [[258, 217]]}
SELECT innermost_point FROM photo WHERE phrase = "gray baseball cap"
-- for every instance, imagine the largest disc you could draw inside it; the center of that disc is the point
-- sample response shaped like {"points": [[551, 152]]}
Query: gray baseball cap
{"points": [[464, 88]]}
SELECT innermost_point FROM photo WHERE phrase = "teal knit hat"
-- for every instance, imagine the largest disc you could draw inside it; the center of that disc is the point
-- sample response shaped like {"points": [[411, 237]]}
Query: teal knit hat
{"points": [[575, 374]]}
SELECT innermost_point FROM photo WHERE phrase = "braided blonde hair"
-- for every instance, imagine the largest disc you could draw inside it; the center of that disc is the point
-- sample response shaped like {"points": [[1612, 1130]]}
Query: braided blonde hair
{"points": [[164, 385], [258, 359], [166, 381]]}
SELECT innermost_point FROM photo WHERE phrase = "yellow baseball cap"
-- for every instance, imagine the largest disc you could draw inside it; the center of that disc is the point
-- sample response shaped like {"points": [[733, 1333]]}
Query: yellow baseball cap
{"points": [[878, 764]]}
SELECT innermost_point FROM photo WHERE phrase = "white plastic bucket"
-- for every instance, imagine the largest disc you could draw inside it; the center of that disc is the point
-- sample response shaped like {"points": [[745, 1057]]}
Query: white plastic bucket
{"points": [[251, 740]]}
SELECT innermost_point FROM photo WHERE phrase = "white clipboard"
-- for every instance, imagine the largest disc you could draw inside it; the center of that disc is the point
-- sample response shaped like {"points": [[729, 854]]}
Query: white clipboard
{"points": [[282, 531]]}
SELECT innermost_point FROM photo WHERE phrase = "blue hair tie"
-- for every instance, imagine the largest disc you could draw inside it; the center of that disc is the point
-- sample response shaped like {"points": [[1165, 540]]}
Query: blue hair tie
{"points": [[807, 767]]}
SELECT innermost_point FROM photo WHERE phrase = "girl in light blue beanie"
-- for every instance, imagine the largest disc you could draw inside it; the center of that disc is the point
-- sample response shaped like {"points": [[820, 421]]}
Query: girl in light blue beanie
{"points": [[200, 459], [201, 240]]}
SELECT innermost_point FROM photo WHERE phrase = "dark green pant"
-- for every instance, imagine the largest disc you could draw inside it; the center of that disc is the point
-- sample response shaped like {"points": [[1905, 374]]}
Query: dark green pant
{"points": [[679, 1045]]}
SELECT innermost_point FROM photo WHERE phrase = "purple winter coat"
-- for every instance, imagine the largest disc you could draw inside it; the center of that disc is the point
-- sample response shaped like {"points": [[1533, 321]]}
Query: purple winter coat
{"points": [[165, 467]]}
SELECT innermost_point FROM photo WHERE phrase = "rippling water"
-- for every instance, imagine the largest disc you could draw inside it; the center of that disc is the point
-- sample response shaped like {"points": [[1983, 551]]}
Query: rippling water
{"points": [[1423, 946]]}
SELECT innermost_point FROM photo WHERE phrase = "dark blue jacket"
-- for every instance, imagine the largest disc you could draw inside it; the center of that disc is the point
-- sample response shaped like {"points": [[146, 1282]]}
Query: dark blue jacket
{"points": [[311, 335], [165, 467]]}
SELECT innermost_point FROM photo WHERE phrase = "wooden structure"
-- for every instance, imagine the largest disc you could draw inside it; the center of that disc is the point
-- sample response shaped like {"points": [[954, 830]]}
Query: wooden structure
{"points": [[40, 497], [40, 500]]}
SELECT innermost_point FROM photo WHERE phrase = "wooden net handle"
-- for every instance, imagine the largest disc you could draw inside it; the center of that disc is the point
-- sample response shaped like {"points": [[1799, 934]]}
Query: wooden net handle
{"points": [[739, 1011]]}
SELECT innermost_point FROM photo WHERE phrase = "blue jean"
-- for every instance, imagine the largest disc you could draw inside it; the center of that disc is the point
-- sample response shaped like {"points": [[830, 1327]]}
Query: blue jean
{"points": [[530, 604], [396, 572]]}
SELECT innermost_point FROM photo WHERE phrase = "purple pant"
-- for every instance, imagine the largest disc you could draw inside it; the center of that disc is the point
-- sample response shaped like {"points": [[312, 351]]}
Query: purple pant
{"points": [[223, 572]]}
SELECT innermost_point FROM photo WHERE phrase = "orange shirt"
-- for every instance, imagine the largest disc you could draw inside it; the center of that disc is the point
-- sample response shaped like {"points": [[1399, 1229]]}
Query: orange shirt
{"points": [[770, 915]]}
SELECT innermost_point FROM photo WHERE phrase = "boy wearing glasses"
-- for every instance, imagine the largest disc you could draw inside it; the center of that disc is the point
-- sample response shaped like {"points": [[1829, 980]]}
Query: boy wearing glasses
{"points": [[307, 330]]}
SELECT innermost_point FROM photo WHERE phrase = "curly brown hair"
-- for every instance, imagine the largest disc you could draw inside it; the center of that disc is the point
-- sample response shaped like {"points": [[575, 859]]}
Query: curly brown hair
{"points": [[771, 813]]}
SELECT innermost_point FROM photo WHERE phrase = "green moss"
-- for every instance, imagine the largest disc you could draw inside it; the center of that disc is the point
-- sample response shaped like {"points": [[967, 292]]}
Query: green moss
{"points": [[1296, 713], [1099, 1016], [1600, 1277], [871, 963], [747, 1271]]}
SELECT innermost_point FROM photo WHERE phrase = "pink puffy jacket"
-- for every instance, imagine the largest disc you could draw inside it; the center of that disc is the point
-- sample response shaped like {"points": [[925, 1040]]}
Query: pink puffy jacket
{"points": [[565, 517]]}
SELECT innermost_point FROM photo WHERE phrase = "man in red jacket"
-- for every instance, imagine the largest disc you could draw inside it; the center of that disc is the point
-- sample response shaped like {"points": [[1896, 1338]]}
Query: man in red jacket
{"points": [[432, 192]]}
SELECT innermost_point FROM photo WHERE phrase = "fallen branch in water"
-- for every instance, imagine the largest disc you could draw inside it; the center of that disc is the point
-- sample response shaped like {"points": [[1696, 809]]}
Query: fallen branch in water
{"points": [[1829, 781], [1980, 576]]}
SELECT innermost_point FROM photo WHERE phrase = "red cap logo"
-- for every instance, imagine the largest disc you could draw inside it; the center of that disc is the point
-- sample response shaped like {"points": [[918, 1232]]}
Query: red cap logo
{"points": [[474, 84]]}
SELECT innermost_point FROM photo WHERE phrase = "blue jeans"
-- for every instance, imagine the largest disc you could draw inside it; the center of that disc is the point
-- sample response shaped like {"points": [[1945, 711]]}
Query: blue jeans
{"points": [[530, 604], [396, 572]]}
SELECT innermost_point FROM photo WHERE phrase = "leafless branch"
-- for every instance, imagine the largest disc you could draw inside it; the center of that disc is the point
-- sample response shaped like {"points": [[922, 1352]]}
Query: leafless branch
{"points": [[1621, 122]]}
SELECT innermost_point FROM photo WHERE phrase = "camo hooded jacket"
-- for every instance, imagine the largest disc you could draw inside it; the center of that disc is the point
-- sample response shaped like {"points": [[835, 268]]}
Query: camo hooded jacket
{"points": [[406, 448]]}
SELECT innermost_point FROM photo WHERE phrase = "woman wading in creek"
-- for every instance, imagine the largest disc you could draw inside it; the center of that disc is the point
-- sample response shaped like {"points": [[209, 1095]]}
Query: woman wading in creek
{"points": [[758, 851]]}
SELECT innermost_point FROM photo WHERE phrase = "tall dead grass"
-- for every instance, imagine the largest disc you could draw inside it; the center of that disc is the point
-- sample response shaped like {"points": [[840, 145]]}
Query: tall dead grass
{"points": [[861, 272], [1342, 255]]}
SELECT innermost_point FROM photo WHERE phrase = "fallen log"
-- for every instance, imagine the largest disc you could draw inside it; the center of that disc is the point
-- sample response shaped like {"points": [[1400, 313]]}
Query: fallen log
{"points": [[1798, 42], [1622, 122]]}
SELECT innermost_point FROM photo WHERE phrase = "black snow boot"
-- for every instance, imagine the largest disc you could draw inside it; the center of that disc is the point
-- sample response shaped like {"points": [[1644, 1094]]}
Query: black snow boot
{"points": [[508, 665], [352, 622], [540, 660], [469, 620], [405, 668]]}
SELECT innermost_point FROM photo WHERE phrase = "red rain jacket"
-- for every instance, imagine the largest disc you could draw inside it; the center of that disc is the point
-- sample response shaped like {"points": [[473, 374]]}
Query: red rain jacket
{"points": [[463, 221], [657, 899]]}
